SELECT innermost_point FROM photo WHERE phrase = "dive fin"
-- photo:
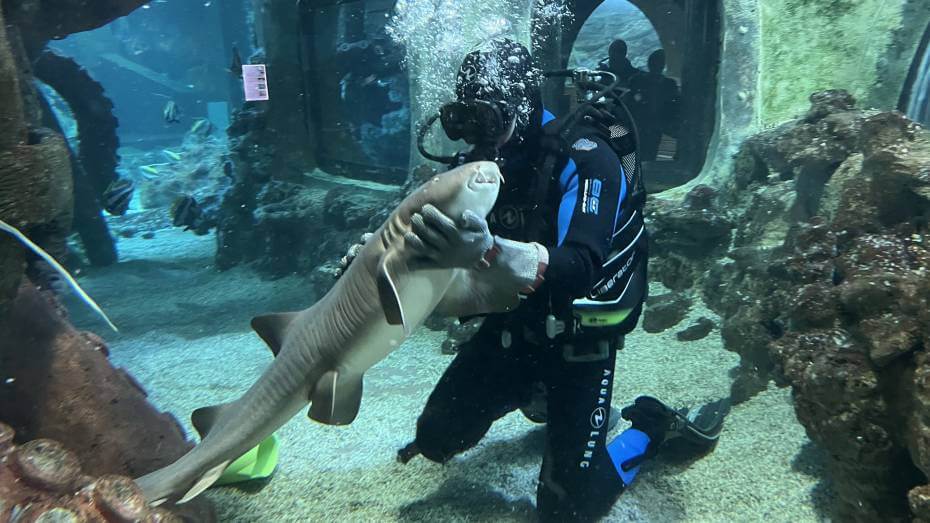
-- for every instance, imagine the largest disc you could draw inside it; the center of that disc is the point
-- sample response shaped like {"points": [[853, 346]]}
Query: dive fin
{"points": [[209, 478], [258, 463], [271, 328], [336, 398], [388, 292], [204, 418]]}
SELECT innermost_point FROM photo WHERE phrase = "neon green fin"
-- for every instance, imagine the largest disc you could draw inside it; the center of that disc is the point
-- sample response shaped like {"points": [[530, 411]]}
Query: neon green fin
{"points": [[258, 463]]}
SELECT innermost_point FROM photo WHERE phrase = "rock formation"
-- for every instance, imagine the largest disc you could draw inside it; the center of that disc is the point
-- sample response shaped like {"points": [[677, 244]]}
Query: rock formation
{"points": [[816, 256], [35, 177], [58, 384]]}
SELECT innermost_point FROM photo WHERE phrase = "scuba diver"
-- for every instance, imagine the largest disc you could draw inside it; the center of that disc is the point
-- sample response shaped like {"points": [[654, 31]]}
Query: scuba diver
{"points": [[569, 224]]}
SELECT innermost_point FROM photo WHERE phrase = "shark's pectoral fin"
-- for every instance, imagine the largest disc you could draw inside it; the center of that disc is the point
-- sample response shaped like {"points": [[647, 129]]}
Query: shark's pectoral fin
{"points": [[388, 291], [271, 328], [205, 481], [204, 418], [336, 398]]}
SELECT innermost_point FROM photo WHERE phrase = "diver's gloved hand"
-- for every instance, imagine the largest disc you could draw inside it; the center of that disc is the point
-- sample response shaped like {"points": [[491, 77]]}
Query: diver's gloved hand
{"points": [[353, 251], [438, 241]]}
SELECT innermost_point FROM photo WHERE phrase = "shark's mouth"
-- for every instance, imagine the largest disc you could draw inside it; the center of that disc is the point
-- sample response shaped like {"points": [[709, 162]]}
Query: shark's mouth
{"points": [[484, 177]]}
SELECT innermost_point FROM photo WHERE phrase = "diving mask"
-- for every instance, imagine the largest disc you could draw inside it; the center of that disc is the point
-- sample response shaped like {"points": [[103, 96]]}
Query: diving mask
{"points": [[476, 122]]}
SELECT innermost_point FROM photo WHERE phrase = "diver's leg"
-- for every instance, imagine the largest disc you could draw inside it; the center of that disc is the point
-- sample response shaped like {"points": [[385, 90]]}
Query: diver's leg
{"points": [[484, 382], [578, 481]]}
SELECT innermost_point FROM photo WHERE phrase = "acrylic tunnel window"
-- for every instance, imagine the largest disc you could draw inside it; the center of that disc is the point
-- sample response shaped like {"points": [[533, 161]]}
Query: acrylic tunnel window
{"points": [[664, 54], [915, 100], [358, 104]]}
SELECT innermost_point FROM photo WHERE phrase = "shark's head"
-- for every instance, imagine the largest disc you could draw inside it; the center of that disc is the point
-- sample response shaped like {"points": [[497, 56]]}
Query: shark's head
{"points": [[473, 186]]}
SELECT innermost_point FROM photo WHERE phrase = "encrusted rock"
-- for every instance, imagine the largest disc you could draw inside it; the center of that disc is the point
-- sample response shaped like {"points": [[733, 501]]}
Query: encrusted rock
{"points": [[697, 330], [889, 336], [700, 197], [828, 102], [57, 384], [693, 232], [814, 306], [42, 482], [665, 311], [347, 207], [919, 500]]}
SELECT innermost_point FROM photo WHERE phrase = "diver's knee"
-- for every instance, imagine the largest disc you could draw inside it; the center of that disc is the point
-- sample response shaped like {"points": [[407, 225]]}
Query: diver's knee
{"points": [[440, 435]]}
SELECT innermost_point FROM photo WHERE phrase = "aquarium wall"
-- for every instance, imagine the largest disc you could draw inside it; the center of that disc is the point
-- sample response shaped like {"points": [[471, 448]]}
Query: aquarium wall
{"points": [[865, 47]]}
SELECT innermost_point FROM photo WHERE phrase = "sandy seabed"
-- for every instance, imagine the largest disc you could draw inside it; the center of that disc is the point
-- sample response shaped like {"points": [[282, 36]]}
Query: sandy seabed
{"points": [[184, 334]]}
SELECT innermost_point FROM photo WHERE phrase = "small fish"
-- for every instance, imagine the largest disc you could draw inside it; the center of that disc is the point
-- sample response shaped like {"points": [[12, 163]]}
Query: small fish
{"points": [[149, 171], [236, 66], [202, 125], [185, 212], [117, 196], [228, 169], [171, 113], [171, 154]]}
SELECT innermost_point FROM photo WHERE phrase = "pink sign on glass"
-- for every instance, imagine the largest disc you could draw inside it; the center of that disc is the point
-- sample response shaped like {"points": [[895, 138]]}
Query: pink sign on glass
{"points": [[254, 82]]}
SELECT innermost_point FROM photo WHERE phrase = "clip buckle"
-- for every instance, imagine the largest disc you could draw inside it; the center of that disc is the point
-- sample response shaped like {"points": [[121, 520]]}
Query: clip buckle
{"points": [[554, 327]]}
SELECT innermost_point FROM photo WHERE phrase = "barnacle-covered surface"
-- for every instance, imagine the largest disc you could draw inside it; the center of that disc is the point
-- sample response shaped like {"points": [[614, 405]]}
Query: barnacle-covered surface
{"points": [[43, 481]]}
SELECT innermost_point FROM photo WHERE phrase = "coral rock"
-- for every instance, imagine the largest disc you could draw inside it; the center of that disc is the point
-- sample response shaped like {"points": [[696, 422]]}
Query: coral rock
{"points": [[696, 331], [665, 311]]}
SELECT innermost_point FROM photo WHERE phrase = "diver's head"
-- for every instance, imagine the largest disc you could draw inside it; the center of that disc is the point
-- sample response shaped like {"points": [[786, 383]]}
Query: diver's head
{"points": [[656, 63], [617, 51], [498, 97]]}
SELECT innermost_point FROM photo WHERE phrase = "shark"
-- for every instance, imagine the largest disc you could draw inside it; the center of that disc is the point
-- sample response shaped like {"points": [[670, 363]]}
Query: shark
{"points": [[322, 352]]}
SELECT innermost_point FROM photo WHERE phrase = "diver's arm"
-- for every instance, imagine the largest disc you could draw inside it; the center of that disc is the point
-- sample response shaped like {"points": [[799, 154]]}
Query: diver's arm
{"points": [[591, 197], [593, 186]]}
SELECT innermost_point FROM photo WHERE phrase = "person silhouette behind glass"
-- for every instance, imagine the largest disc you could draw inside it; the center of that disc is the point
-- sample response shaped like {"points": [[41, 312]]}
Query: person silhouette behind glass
{"points": [[654, 99], [618, 63]]}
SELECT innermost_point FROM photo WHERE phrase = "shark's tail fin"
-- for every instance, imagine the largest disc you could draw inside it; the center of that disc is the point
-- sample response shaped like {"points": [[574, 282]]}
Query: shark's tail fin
{"points": [[189, 476], [173, 483]]}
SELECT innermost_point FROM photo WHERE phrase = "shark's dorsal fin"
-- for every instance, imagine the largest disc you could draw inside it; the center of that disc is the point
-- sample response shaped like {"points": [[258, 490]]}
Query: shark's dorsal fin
{"points": [[336, 398], [205, 481], [271, 328], [388, 291], [204, 418]]}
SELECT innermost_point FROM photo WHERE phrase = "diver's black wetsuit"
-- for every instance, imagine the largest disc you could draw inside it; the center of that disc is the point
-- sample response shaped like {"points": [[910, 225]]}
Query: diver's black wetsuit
{"points": [[586, 218]]}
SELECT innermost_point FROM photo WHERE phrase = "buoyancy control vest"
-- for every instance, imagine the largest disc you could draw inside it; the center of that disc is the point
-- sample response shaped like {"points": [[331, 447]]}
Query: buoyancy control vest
{"points": [[527, 211]]}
